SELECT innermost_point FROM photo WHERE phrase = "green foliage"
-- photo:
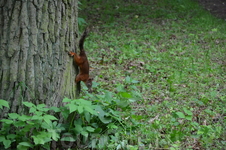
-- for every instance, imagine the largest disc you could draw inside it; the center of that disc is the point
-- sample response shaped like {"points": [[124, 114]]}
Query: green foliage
{"points": [[3, 103], [81, 22], [92, 121], [102, 116], [28, 131]]}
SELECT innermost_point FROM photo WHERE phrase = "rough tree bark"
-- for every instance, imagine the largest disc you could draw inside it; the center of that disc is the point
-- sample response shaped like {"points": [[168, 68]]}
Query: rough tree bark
{"points": [[35, 36]]}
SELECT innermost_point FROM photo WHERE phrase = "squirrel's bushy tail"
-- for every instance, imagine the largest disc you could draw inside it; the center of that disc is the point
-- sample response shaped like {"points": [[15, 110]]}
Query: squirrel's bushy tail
{"points": [[82, 39]]}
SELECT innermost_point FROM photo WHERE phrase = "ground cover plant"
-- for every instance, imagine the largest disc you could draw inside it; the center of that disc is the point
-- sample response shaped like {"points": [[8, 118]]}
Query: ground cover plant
{"points": [[79, 124], [176, 51]]}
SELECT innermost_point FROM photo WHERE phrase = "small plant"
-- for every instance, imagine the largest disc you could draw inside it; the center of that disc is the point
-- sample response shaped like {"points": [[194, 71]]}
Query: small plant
{"points": [[101, 118], [93, 123], [38, 128]]}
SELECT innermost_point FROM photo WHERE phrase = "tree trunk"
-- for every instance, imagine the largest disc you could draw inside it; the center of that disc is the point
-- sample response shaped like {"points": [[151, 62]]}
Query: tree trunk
{"points": [[35, 36]]}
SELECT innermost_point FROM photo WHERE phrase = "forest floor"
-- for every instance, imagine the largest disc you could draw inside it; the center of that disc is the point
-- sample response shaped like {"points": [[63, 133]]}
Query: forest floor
{"points": [[170, 58], [216, 7]]}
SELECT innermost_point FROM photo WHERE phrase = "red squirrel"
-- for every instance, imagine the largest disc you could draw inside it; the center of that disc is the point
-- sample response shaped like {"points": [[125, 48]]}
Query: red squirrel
{"points": [[83, 64]]}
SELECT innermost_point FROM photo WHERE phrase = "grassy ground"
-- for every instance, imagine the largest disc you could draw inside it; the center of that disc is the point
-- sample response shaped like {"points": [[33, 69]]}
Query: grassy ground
{"points": [[177, 52]]}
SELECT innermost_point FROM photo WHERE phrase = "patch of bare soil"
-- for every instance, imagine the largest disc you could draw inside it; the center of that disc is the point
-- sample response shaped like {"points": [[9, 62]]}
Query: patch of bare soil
{"points": [[216, 7]]}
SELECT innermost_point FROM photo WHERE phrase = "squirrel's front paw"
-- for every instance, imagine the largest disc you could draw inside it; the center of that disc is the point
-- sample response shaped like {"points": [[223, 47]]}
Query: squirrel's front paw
{"points": [[71, 53]]}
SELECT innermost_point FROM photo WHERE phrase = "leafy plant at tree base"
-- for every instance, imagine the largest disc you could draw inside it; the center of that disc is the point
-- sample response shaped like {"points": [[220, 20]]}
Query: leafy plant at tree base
{"points": [[28, 131], [100, 119], [92, 123]]}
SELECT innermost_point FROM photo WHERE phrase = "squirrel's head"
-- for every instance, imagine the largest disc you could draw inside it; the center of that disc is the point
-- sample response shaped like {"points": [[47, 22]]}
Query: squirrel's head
{"points": [[89, 84]]}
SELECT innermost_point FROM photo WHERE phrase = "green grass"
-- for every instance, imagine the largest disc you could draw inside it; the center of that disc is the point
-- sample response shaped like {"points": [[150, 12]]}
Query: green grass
{"points": [[177, 52]]}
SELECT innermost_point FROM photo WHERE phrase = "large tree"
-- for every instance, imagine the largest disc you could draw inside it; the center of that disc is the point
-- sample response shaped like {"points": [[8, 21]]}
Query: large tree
{"points": [[35, 36]]}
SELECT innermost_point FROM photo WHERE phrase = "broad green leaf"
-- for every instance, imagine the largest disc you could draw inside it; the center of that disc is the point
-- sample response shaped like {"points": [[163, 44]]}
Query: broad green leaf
{"points": [[94, 143], [19, 123], [13, 115], [120, 88], [32, 110], [78, 128], [50, 117], [55, 109], [7, 121], [73, 108], [187, 111], [27, 144], [3, 103], [200, 132], [125, 95], [105, 119], [200, 102], [108, 95], [132, 100], [135, 81], [68, 139], [84, 133], [65, 100], [38, 113], [180, 114], [80, 109], [54, 134], [49, 122], [7, 143], [100, 111], [188, 117], [28, 128], [36, 117], [90, 110], [83, 102], [87, 116], [29, 104], [40, 106], [21, 147], [116, 113], [81, 21], [127, 79], [42, 138], [153, 48], [122, 103], [2, 138], [31, 122], [112, 126], [214, 30], [11, 136], [103, 141], [46, 125], [24, 118], [90, 129], [38, 140], [98, 130]]}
